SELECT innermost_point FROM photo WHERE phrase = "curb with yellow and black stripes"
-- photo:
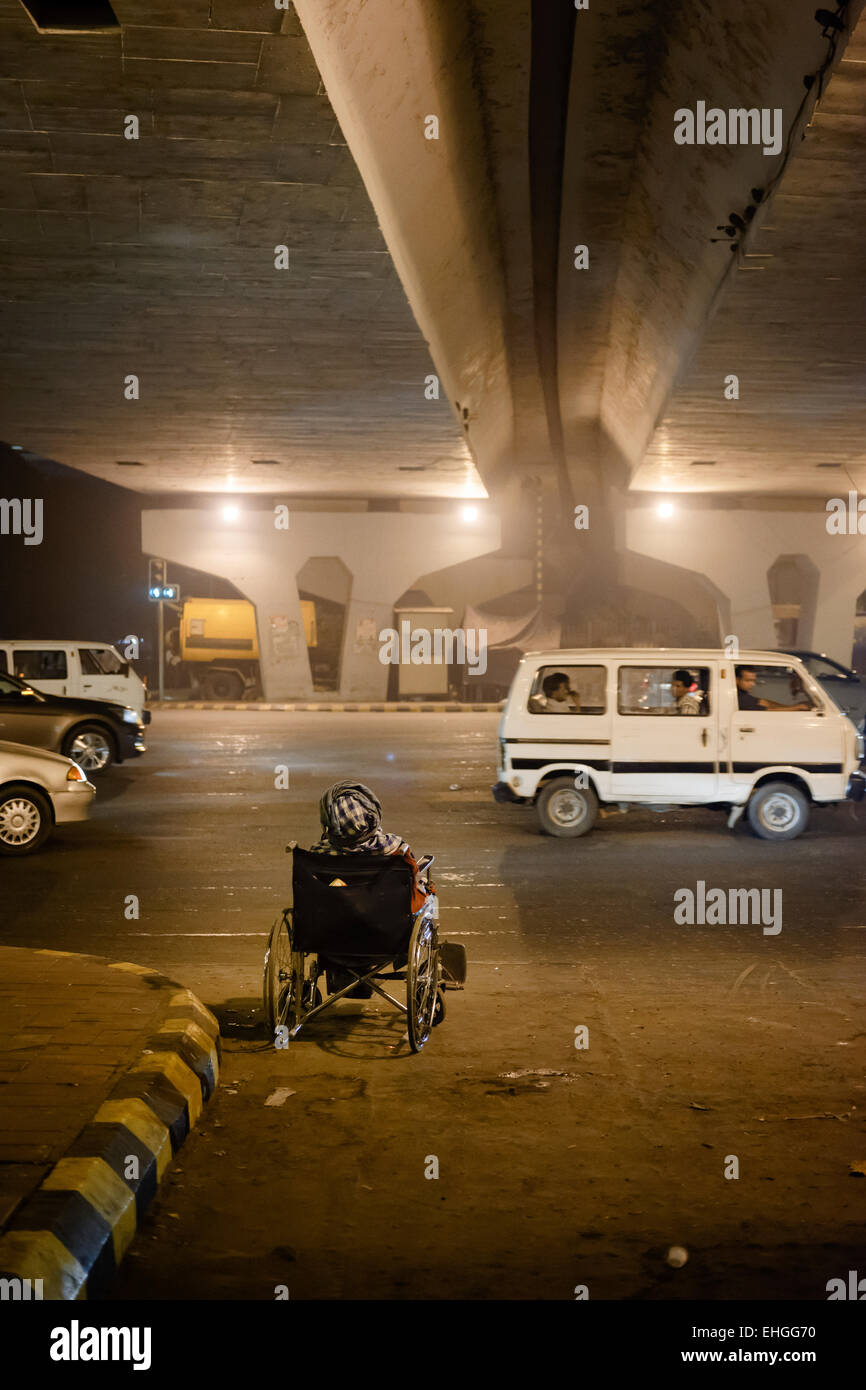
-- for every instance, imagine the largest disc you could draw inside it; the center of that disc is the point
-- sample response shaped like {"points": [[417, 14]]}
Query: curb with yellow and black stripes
{"points": [[73, 1231]]}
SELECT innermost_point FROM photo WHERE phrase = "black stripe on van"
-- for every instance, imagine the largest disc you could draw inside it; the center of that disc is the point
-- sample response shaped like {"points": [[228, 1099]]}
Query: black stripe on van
{"points": [[663, 767], [801, 767], [600, 764], [573, 742]]}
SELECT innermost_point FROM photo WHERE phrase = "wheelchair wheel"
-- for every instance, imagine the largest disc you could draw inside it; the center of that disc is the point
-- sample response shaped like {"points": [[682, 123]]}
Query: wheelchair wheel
{"points": [[422, 982], [284, 970]]}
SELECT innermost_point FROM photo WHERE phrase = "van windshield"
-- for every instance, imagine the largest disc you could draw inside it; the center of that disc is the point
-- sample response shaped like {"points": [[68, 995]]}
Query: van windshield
{"points": [[101, 661]]}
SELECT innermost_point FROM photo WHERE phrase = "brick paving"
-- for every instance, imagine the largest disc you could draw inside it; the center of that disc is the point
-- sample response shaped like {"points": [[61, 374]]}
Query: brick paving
{"points": [[70, 1026]]}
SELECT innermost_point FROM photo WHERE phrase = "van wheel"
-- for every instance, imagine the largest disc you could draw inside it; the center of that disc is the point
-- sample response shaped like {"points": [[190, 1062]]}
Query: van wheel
{"points": [[565, 811], [25, 820], [778, 811], [91, 746], [223, 685]]}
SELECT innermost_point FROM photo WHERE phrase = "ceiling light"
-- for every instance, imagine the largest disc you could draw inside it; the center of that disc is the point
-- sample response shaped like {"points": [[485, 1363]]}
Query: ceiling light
{"points": [[469, 514], [665, 509], [231, 513]]}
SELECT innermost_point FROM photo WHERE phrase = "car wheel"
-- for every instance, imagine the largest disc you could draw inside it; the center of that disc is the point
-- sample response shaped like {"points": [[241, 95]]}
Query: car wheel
{"points": [[565, 810], [778, 811], [25, 820], [91, 746]]}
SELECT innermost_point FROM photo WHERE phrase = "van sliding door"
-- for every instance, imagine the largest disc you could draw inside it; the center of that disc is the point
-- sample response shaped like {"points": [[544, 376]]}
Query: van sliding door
{"points": [[660, 752]]}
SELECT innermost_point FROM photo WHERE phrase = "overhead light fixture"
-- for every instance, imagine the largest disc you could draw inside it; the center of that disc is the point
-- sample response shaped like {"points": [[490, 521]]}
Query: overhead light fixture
{"points": [[665, 510], [469, 514], [231, 513]]}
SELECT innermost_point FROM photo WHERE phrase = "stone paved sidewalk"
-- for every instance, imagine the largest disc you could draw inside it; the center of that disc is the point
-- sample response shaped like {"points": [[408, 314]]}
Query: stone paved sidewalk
{"points": [[70, 1027]]}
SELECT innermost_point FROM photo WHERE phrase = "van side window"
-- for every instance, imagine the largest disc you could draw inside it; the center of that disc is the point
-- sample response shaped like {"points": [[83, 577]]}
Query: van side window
{"points": [[39, 665], [569, 689], [664, 690], [3, 667]]}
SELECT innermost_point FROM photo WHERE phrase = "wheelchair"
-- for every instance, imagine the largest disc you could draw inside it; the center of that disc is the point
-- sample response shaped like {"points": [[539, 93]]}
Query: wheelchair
{"points": [[351, 915]]}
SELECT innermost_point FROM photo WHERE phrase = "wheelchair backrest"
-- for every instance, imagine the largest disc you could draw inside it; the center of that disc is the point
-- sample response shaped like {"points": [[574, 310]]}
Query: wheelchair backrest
{"points": [[371, 915]]}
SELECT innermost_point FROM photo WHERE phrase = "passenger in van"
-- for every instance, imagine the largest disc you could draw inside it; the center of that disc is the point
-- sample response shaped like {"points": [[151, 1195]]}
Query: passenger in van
{"points": [[746, 677], [557, 696], [685, 690]]}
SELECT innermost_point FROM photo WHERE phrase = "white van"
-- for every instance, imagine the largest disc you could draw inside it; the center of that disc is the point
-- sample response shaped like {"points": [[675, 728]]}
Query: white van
{"points": [[662, 728], [86, 670]]}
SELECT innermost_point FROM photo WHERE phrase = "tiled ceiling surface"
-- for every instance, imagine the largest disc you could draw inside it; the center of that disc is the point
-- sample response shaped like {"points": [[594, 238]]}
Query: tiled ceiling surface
{"points": [[792, 327], [154, 258]]}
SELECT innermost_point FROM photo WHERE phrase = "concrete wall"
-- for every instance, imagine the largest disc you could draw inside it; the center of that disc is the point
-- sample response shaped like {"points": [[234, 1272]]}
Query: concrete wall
{"points": [[385, 552], [713, 561], [734, 550]]}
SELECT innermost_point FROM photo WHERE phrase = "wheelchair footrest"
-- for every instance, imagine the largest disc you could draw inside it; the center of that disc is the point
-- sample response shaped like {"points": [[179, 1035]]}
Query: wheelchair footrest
{"points": [[452, 964]]}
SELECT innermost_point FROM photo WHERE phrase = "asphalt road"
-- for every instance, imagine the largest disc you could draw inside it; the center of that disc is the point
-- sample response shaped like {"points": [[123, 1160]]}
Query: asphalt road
{"points": [[558, 1167]]}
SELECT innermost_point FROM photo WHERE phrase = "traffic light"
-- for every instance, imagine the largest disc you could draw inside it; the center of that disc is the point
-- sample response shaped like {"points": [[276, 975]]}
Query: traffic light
{"points": [[155, 578], [157, 587]]}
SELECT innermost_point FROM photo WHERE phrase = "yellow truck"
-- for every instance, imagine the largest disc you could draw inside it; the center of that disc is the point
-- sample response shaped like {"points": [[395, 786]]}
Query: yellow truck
{"points": [[218, 640]]}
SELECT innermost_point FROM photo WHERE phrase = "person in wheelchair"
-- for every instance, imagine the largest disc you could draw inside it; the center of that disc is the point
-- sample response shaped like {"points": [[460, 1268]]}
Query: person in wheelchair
{"points": [[351, 818]]}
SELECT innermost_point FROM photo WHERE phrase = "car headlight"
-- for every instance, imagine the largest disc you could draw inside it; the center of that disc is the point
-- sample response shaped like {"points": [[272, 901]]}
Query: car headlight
{"points": [[75, 774], [130, 716]]}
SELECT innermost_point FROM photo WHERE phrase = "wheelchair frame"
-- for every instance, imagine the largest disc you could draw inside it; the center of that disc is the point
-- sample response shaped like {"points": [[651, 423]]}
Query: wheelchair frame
{"points": [[290, 982]]}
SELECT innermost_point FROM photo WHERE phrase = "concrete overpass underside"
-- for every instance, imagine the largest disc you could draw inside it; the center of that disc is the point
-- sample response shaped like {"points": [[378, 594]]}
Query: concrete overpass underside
{"points": [[476, 199]]}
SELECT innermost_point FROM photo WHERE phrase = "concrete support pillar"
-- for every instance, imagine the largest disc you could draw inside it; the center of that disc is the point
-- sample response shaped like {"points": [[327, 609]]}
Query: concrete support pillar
{"points": [[385, 552], [843, 579], [734, 551]]}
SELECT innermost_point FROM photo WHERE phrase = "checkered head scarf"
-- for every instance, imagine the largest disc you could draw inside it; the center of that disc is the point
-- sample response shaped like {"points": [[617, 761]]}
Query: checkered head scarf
{"points": [[351, 817]]}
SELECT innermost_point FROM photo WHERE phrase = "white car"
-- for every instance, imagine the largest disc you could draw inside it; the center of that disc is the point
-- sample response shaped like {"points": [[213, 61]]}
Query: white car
{"points": [[38, 790]]}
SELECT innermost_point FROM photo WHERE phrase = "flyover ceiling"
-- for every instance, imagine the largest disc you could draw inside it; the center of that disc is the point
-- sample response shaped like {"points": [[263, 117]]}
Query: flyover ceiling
{"points": [[577, 367], [792, 327], [155, 257]]}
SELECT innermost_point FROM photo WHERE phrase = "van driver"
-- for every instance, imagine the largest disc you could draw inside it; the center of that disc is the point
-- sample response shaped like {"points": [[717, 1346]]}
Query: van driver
{"points": [[746, 677]]}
